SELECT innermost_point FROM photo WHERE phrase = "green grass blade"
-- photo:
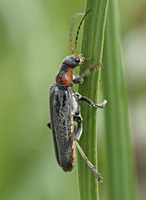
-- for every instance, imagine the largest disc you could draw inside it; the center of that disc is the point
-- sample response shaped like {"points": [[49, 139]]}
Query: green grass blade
{"points": [[92, 47], [119, 178]]}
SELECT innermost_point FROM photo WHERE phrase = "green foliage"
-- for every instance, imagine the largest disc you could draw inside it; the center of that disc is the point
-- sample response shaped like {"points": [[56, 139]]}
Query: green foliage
{"points": [[92, 47], [119, 177], [119, 165]]}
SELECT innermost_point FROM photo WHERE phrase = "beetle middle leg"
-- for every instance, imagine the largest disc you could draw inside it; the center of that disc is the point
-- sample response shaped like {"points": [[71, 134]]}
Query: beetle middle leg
{"points": [[91, 103], [49, 124]]}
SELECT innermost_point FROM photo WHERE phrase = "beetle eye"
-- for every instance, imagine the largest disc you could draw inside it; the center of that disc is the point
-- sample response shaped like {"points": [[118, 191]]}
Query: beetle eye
{"points": [[77, 60]]}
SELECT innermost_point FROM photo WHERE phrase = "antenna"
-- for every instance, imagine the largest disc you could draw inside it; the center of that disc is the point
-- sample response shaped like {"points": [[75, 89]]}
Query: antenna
{"points": [[71, 30], [76, 51]]}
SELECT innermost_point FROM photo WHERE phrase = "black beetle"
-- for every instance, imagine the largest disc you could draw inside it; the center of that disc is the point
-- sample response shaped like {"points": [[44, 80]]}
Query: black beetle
{"points": [[65, 111]]}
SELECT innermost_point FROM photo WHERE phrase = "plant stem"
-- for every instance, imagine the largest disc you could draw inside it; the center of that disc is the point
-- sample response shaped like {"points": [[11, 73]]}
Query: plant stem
{"points": [[119, 166], [92, 47]]}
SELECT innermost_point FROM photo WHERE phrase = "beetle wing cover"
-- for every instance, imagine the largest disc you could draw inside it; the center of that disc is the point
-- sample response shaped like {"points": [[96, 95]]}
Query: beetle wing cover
{"points": [[60, 111]]}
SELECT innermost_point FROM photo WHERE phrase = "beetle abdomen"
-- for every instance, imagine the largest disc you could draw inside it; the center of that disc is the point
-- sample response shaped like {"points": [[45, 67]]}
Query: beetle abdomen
{"points": [[60, 110]]}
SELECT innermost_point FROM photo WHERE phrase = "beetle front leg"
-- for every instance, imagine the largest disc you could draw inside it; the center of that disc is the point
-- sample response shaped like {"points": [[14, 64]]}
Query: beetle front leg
{"points": [[49, 124], [77, 79], [91, 103], [94, 67]]}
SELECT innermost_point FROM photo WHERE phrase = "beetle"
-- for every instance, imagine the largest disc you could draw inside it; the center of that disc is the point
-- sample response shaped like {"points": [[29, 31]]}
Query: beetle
{"points": [[65, 111]]}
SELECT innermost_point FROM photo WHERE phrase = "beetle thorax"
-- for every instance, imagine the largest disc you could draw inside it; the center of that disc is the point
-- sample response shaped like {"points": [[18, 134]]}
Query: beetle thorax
{"points": [[65, 76]]}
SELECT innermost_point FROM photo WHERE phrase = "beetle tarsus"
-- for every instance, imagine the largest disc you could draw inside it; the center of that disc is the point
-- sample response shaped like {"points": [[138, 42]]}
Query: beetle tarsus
{"points": [[97, 175], [101, 105]]}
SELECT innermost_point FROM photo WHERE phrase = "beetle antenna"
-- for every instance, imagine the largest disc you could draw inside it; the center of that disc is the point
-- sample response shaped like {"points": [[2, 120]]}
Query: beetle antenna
{"points": [[79, 30], [71, 29]]}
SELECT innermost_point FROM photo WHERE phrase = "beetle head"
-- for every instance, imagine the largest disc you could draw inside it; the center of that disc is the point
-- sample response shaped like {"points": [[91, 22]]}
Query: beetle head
{"points": [[73, 61]]}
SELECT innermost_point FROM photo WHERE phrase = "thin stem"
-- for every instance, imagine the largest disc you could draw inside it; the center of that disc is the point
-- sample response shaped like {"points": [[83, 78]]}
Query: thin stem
{"points": [[92, 47], [119, 165]]}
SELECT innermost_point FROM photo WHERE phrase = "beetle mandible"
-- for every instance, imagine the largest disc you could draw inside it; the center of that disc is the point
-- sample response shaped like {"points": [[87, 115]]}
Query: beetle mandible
{"points": [[65, 111]]}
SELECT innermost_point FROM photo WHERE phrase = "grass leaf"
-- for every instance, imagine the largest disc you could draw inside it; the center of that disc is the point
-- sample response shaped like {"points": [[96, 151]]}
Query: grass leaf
{"points": [[92, 47], [119, 175]]}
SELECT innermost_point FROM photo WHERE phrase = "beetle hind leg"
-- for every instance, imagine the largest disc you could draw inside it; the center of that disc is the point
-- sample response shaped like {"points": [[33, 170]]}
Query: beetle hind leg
{"points": [[77, 136], [89, 164], [78, 132]]}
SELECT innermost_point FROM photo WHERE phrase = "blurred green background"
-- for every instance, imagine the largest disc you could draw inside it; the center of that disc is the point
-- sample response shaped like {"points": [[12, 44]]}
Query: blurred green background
{"points": [[34, 38]]}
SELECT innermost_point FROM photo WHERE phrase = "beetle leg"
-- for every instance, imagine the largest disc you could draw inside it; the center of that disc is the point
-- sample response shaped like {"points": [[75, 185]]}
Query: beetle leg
{"points": [[89, 164], [91, 69], [49, 124], [77, 79], [91, 103], [78, 132]]}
